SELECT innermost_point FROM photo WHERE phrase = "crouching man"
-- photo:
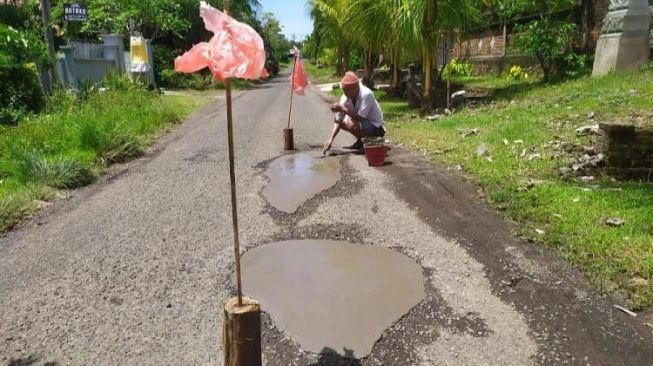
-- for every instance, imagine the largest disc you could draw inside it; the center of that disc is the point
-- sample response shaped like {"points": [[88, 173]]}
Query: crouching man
{"points": [[357, 113]]}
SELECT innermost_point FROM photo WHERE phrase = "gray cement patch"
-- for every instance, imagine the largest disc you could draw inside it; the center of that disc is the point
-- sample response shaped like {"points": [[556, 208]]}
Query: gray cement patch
{"points": [[296, 178], [332, 295]]}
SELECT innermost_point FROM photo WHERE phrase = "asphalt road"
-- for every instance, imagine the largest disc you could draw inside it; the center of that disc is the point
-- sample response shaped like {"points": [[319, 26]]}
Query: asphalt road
{"points": [[133, 270]]}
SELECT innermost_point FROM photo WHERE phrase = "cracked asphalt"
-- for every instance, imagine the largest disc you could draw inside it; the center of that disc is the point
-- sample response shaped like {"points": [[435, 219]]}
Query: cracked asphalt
{"points": [[133, 269]]}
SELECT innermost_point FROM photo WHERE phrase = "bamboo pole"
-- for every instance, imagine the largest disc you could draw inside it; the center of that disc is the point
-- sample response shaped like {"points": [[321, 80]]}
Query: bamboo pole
{"points": [[241, 328], [292, 86], [232, 176]]}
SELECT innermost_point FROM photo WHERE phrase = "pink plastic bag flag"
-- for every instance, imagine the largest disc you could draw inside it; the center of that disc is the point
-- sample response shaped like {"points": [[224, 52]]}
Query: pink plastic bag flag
{"points": [[234, 51], [298, 78]]}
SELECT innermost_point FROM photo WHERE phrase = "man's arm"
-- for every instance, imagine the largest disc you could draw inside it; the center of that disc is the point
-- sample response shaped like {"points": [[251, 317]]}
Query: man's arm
{"points": [[329, 141], [342, 109]]}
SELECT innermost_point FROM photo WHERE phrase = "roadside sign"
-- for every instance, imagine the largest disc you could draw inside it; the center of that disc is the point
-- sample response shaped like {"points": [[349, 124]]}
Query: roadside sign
{"points": [[75, 13]]}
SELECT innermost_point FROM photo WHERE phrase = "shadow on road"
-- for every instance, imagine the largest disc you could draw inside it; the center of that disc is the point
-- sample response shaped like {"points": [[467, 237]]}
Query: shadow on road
{"points": [[329, 357], [27, 361]]}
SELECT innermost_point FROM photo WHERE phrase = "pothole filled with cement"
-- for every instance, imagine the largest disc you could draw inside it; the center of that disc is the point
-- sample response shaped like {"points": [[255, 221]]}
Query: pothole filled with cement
{"points": [[294, 179], [332, 296]]}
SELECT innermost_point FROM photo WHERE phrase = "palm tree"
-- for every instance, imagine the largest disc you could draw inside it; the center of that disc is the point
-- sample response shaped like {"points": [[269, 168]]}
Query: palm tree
{"points": [[329, 20], [430, 21], [368, 24], [396, 27]]}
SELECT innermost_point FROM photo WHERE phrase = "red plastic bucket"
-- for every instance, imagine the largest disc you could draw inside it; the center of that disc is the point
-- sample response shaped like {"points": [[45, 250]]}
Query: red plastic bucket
{"points": [[376, 155]]}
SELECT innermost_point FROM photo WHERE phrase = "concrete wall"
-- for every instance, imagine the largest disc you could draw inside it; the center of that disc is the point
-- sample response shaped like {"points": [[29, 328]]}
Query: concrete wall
{"points": [[93, 69], [93, 61], [486, 48]]}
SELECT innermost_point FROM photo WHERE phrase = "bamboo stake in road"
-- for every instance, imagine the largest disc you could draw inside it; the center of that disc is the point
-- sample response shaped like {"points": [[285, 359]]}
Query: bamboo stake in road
{"points": [[232, 176], [292, 87], [288, 143], [241, 329]]}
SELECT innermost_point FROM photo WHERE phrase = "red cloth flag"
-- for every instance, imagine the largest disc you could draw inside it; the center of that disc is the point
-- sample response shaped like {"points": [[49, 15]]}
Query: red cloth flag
{"points": [[234, 51], [298, 78]]}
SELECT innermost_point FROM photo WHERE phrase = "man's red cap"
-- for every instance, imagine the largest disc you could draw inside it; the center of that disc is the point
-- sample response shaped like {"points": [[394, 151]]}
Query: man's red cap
{"points": [[349, 79]]}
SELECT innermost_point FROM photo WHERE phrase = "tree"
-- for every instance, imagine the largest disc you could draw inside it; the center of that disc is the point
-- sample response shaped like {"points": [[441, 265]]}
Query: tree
{"points": [[431, 21], [329, 24], [154, 19], [369, 25], [272, 31], [544, 38]]}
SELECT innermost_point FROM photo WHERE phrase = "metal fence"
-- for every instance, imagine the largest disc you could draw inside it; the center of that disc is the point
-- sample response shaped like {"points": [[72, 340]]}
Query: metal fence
{"points": [[87, 49]]}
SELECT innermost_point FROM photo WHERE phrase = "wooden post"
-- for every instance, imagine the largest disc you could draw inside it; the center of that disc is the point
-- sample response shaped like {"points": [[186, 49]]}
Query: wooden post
{"points": [[241, 339], [241, 332], [288, 143]]}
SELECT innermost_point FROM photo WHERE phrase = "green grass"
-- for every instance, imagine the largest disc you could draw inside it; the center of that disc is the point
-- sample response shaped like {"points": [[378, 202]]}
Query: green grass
{"points": [[571, 214], [322, 75], [492, 82], [236, 84], [75, 142]]}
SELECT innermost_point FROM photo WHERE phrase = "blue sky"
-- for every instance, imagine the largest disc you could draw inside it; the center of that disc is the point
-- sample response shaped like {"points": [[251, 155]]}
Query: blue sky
{"points": [[292, 15]]}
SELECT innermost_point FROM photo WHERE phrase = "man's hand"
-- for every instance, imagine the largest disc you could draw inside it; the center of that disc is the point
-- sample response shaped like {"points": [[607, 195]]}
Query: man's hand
{"points": [[336, 107], [327, 146]]}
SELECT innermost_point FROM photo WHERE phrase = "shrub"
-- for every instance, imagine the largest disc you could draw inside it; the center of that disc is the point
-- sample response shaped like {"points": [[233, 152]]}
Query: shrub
{"points": [[458, 68], [576, 65], [546, 40], [12, 15], [20, 93], [61, 101], [164, 58], [20, 90], [55, 172], [110, 140], [18, 47], [517, 73], [120, 82], [175, 80], [328, 57]]}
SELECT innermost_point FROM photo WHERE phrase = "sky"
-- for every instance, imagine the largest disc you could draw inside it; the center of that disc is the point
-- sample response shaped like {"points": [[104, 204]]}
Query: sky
{"points": [[292, 15]]}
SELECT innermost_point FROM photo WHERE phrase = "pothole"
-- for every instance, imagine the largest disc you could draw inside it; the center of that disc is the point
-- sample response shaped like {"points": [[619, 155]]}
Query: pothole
{"points": [[332, 296], [296, 178]]}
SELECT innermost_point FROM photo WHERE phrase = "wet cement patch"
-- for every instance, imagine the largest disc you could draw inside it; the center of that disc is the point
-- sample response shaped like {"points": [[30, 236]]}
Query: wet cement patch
{"points": [[398, 345], [296, 178], [331, 295]]}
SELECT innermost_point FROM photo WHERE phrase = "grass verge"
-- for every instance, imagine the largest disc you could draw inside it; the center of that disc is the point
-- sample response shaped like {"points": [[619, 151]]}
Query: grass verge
{"points": [[75, 142], [515, 158], [322, 75]]}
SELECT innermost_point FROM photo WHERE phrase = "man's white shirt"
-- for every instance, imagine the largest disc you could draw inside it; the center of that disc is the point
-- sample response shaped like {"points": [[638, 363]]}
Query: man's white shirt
{"points": [[366, 107]]}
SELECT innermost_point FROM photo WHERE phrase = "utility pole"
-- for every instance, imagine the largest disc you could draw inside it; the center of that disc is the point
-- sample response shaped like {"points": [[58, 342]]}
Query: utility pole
{"points": [[50, 73]]}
